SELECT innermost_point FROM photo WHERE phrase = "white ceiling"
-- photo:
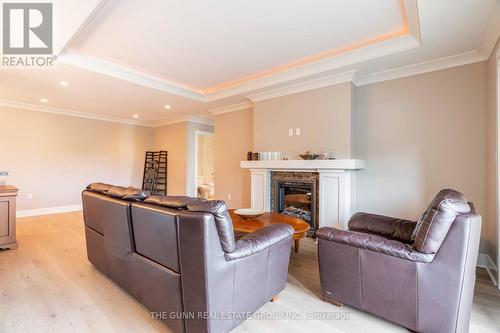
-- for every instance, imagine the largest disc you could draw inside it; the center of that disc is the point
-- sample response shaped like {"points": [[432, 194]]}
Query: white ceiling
{"points": [[201, 44], [125, 57]]}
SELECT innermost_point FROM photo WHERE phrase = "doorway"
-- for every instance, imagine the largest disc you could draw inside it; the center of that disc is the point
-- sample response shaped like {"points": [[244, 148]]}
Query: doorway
{"points": [[204, 165]]}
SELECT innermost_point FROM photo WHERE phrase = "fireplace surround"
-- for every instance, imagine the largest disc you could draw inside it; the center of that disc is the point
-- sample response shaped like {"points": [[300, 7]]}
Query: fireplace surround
{"points": [[335, 188]]}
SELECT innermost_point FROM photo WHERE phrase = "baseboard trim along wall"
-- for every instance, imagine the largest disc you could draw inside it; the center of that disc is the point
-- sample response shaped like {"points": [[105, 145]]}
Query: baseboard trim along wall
{"points": [[48, 210]]}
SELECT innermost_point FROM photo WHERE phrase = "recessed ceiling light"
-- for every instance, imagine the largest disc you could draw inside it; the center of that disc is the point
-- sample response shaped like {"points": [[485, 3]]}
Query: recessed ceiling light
{"points": [[44, 100], [136, 116], [167, 106], [64, 83]]}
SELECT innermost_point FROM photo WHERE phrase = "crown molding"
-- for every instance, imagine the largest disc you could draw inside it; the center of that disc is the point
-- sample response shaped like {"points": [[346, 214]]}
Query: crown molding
{"points": [[491, 33], [94, 116], [369, 52], [294, 88], [231, 108], [359, 79], [353, 57], [410, 8], [66, 112], [406, 38], [196, 120], [111, 69], [101, 4], [201, 121], [423, 67]]}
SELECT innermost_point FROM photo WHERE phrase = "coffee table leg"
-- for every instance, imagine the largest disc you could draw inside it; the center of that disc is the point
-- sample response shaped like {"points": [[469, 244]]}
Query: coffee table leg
{"points": [[296, 246]]}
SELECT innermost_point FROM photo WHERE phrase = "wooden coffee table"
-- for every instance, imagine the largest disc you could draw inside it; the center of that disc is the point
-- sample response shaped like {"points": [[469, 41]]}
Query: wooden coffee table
{"points": [[299, 226]]}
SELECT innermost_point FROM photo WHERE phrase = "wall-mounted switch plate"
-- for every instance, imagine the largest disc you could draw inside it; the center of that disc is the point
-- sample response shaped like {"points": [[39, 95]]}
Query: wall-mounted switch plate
{"points": [[229, 196], [4, 173], [30, 196], [297, 131], [290, 132]]}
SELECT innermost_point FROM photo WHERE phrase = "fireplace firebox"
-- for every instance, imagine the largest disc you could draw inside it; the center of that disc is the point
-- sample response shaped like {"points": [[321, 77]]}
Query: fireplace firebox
{"points": [[296, 194]]}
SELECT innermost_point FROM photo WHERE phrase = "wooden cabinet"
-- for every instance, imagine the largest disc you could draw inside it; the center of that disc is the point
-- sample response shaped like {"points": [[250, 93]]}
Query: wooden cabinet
{"points": [[8, 196]]}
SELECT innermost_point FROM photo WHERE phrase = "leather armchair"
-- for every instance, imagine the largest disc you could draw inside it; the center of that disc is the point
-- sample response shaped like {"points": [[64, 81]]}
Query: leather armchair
{"points": [[419, 274]]}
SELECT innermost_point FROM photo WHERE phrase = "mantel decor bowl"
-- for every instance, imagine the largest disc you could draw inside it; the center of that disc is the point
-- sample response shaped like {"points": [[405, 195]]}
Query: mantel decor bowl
{"points": [[248, 213], [309, 156]]}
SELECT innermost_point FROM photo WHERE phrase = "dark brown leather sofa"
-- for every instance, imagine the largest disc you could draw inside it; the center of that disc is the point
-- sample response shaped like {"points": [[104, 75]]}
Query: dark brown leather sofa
{"points": [[178, 256], [420, 275]]}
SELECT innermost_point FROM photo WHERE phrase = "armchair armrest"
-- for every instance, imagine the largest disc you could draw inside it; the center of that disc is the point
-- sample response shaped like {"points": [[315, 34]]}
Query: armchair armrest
{"points": [[389, 227], [373, 243], [260, 240]]}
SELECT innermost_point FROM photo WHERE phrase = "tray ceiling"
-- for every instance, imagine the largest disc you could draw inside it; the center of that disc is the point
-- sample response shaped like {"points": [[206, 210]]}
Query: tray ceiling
{"points": [[205, 44], [125, 57]]}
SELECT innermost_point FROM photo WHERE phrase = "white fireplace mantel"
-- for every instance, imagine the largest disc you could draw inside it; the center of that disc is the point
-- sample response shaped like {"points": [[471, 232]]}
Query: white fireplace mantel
{"points": [[343, 164], [336, 185]]}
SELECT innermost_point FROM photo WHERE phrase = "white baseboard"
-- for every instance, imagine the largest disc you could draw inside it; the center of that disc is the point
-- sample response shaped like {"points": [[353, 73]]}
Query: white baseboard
{"points": [[484, 261], [48, 210]]}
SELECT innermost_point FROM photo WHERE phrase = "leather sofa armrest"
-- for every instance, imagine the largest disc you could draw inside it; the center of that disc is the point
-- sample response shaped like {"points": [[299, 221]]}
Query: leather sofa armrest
{"points": [[373, 243], [260, 240], [389, 227]]}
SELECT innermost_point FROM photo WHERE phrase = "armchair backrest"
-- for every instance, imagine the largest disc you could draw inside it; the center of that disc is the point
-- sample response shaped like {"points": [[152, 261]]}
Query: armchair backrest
{"points": [[436, 220], [446, 285]]}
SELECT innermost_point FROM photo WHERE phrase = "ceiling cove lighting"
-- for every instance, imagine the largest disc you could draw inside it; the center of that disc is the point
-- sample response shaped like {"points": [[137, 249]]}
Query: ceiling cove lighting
{"points": [[44, 100], [167, 106], [64, 83], [136, 116]]}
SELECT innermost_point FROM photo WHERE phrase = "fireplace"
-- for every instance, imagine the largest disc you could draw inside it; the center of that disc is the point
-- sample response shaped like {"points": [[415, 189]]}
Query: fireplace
{"points": [[296, 194]]}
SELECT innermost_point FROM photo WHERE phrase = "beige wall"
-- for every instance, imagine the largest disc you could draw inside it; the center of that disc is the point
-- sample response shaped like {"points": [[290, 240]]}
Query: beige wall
{"points": [[173, 138], [54, 157], [491, 232], [233, 139], [324, 116], [421, 134]]}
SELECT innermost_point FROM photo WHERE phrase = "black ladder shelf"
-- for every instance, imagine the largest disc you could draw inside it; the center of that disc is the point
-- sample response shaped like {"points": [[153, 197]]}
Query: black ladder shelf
{"points": [[155, 172]]}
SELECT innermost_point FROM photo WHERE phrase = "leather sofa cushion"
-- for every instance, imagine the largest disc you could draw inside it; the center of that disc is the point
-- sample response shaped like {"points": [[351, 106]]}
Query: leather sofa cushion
{"points": [[373, 243], [155, 234], [386, 226], [127, 193], [436, 220], [223, 221], [171, 201], [99, 187]]}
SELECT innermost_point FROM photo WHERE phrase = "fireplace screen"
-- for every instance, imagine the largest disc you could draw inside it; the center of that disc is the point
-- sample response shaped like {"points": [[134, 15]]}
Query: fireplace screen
{"points": [[297, 199]]}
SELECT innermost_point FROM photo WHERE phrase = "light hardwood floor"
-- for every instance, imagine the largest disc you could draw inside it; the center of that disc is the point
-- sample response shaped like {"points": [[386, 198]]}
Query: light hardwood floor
{"points": [[47, 285]]}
